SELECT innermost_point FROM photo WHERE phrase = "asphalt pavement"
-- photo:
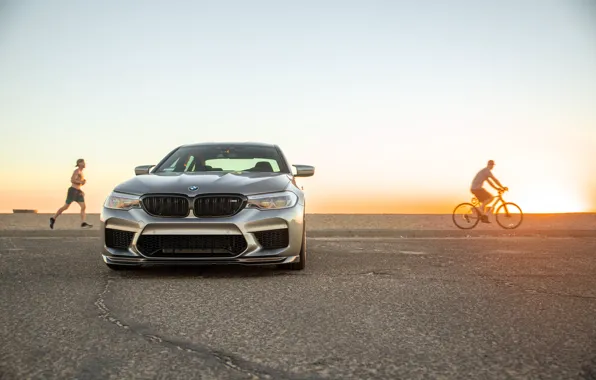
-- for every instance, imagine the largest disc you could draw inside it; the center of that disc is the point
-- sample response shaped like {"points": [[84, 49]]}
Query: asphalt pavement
{"points": [[365, 308]]}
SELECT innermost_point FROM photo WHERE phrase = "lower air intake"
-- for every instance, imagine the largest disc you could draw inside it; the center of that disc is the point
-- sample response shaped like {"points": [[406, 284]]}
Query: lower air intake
{"points": [[273, 239], [117, 238], [191, 245]]}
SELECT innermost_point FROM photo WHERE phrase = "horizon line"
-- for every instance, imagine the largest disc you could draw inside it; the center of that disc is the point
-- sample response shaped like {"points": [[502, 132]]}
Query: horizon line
{"points": [[331, 213]]}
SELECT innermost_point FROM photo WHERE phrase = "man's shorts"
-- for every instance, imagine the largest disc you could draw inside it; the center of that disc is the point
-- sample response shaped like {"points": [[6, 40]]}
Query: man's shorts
{"points": [[482, 194], [74, 195]]}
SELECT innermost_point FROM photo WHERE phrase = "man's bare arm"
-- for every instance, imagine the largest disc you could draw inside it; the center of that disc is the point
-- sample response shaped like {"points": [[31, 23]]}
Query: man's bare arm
{"points": [[497, 181], [492, 184], [75, 178]]}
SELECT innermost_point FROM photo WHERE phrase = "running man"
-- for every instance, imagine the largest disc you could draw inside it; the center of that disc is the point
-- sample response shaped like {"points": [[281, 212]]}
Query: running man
{"points": [[74, 194], [484, 196]]}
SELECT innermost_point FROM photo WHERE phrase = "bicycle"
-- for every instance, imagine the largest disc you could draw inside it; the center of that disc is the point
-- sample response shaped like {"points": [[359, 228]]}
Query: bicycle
{"points": [[508, 215]]}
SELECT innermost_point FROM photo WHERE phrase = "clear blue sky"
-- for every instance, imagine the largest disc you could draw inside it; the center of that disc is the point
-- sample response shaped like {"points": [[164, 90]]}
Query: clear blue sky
{"points": [[386, 98]]}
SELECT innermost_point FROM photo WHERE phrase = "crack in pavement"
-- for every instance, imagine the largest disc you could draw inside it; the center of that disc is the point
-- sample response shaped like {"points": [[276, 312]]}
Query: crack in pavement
{"points": [[254, 371], [540, 291], [373, 273], [588, 370], [510, 284]]}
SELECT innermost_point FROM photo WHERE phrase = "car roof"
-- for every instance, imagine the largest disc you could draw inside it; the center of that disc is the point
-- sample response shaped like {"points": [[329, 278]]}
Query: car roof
{"points": [[224, 143]]}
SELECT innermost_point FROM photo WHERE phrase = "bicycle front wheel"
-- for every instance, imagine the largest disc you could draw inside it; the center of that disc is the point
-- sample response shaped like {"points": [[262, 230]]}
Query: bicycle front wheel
{"points": [[465, 216], [509, 215]]}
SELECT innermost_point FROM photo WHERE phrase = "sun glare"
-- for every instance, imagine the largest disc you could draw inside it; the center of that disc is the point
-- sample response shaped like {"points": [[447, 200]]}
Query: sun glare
{"points": [[551, 202]]}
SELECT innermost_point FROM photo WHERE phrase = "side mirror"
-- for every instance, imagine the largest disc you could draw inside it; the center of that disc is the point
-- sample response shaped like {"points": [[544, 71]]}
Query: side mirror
{"points": [[143, 169], [304, 170]]}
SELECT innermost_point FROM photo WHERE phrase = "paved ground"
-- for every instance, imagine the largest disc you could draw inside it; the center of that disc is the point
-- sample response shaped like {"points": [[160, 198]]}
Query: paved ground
{"points": [[475, 308], [580, 222]]}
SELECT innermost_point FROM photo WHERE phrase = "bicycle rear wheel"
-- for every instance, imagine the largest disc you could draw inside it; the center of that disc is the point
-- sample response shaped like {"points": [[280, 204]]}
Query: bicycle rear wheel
{"points": [[509, 215], [465, 216]]}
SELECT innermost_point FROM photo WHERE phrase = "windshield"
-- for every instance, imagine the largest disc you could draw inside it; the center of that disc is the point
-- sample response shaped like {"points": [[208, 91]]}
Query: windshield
{"points": [[223, 158]]}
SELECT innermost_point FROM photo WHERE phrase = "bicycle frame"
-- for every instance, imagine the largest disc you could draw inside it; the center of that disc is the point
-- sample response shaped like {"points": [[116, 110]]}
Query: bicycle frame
{"points": [[494, 202]]}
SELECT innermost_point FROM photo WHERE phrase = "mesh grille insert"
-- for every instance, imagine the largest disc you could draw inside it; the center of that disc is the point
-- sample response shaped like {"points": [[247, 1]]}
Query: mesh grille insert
{"points": [[273, 239], [118, 239], [191, 245]]}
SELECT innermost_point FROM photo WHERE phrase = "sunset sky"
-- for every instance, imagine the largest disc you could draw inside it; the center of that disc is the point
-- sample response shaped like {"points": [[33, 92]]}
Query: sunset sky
{"points": [[396, 103]]}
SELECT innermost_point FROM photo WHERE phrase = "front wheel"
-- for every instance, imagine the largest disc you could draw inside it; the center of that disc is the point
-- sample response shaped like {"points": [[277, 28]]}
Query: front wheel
{"points": [[509, 215], [465, 216]]}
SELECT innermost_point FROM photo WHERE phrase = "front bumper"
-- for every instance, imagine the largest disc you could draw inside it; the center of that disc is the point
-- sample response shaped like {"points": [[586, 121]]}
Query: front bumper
{"points": [[246, 226]]}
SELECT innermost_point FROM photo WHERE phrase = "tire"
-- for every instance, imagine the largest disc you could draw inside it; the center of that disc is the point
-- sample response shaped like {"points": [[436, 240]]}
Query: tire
{"points": [[462, 211], [511, 216], [122, 267], [302, 263]]}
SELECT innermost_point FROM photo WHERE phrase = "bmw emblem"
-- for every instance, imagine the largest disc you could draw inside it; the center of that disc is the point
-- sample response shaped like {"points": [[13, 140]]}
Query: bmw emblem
{"points": [[193, 188]]}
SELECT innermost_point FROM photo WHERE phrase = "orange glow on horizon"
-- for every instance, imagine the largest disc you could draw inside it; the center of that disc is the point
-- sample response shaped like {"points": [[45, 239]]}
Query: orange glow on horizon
{"points": [[321, 195], [331, 206], [422, 205]]}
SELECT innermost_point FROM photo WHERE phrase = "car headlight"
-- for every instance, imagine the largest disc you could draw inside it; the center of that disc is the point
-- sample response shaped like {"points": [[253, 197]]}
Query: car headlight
{"points": [[274, 201], [119, 201]]}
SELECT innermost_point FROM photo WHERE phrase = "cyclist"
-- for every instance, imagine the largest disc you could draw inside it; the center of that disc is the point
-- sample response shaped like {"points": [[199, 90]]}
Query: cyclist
{"points": [[482, 194]]}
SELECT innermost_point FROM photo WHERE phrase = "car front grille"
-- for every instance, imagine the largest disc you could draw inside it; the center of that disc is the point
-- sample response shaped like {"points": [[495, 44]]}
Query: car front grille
{"points": [[217, 206], [166, 205], [117, 238], [191, 245], [273, 239]]}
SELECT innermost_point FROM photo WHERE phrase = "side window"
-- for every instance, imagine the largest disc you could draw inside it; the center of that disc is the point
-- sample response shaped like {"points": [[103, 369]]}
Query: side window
{"points": [[188, 165], [171, 167]]}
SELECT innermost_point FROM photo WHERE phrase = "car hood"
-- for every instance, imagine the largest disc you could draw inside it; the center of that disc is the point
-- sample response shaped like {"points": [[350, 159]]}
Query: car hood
{"points": [[211, 182]]}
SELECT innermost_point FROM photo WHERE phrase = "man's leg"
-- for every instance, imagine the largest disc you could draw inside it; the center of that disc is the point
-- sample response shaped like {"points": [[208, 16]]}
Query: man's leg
{"points": [[484, 205], [58, 213], [84, 224], [486, 209], [485, 199], [83, 208], [69, 199], [488, 205], [61, 210]]}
